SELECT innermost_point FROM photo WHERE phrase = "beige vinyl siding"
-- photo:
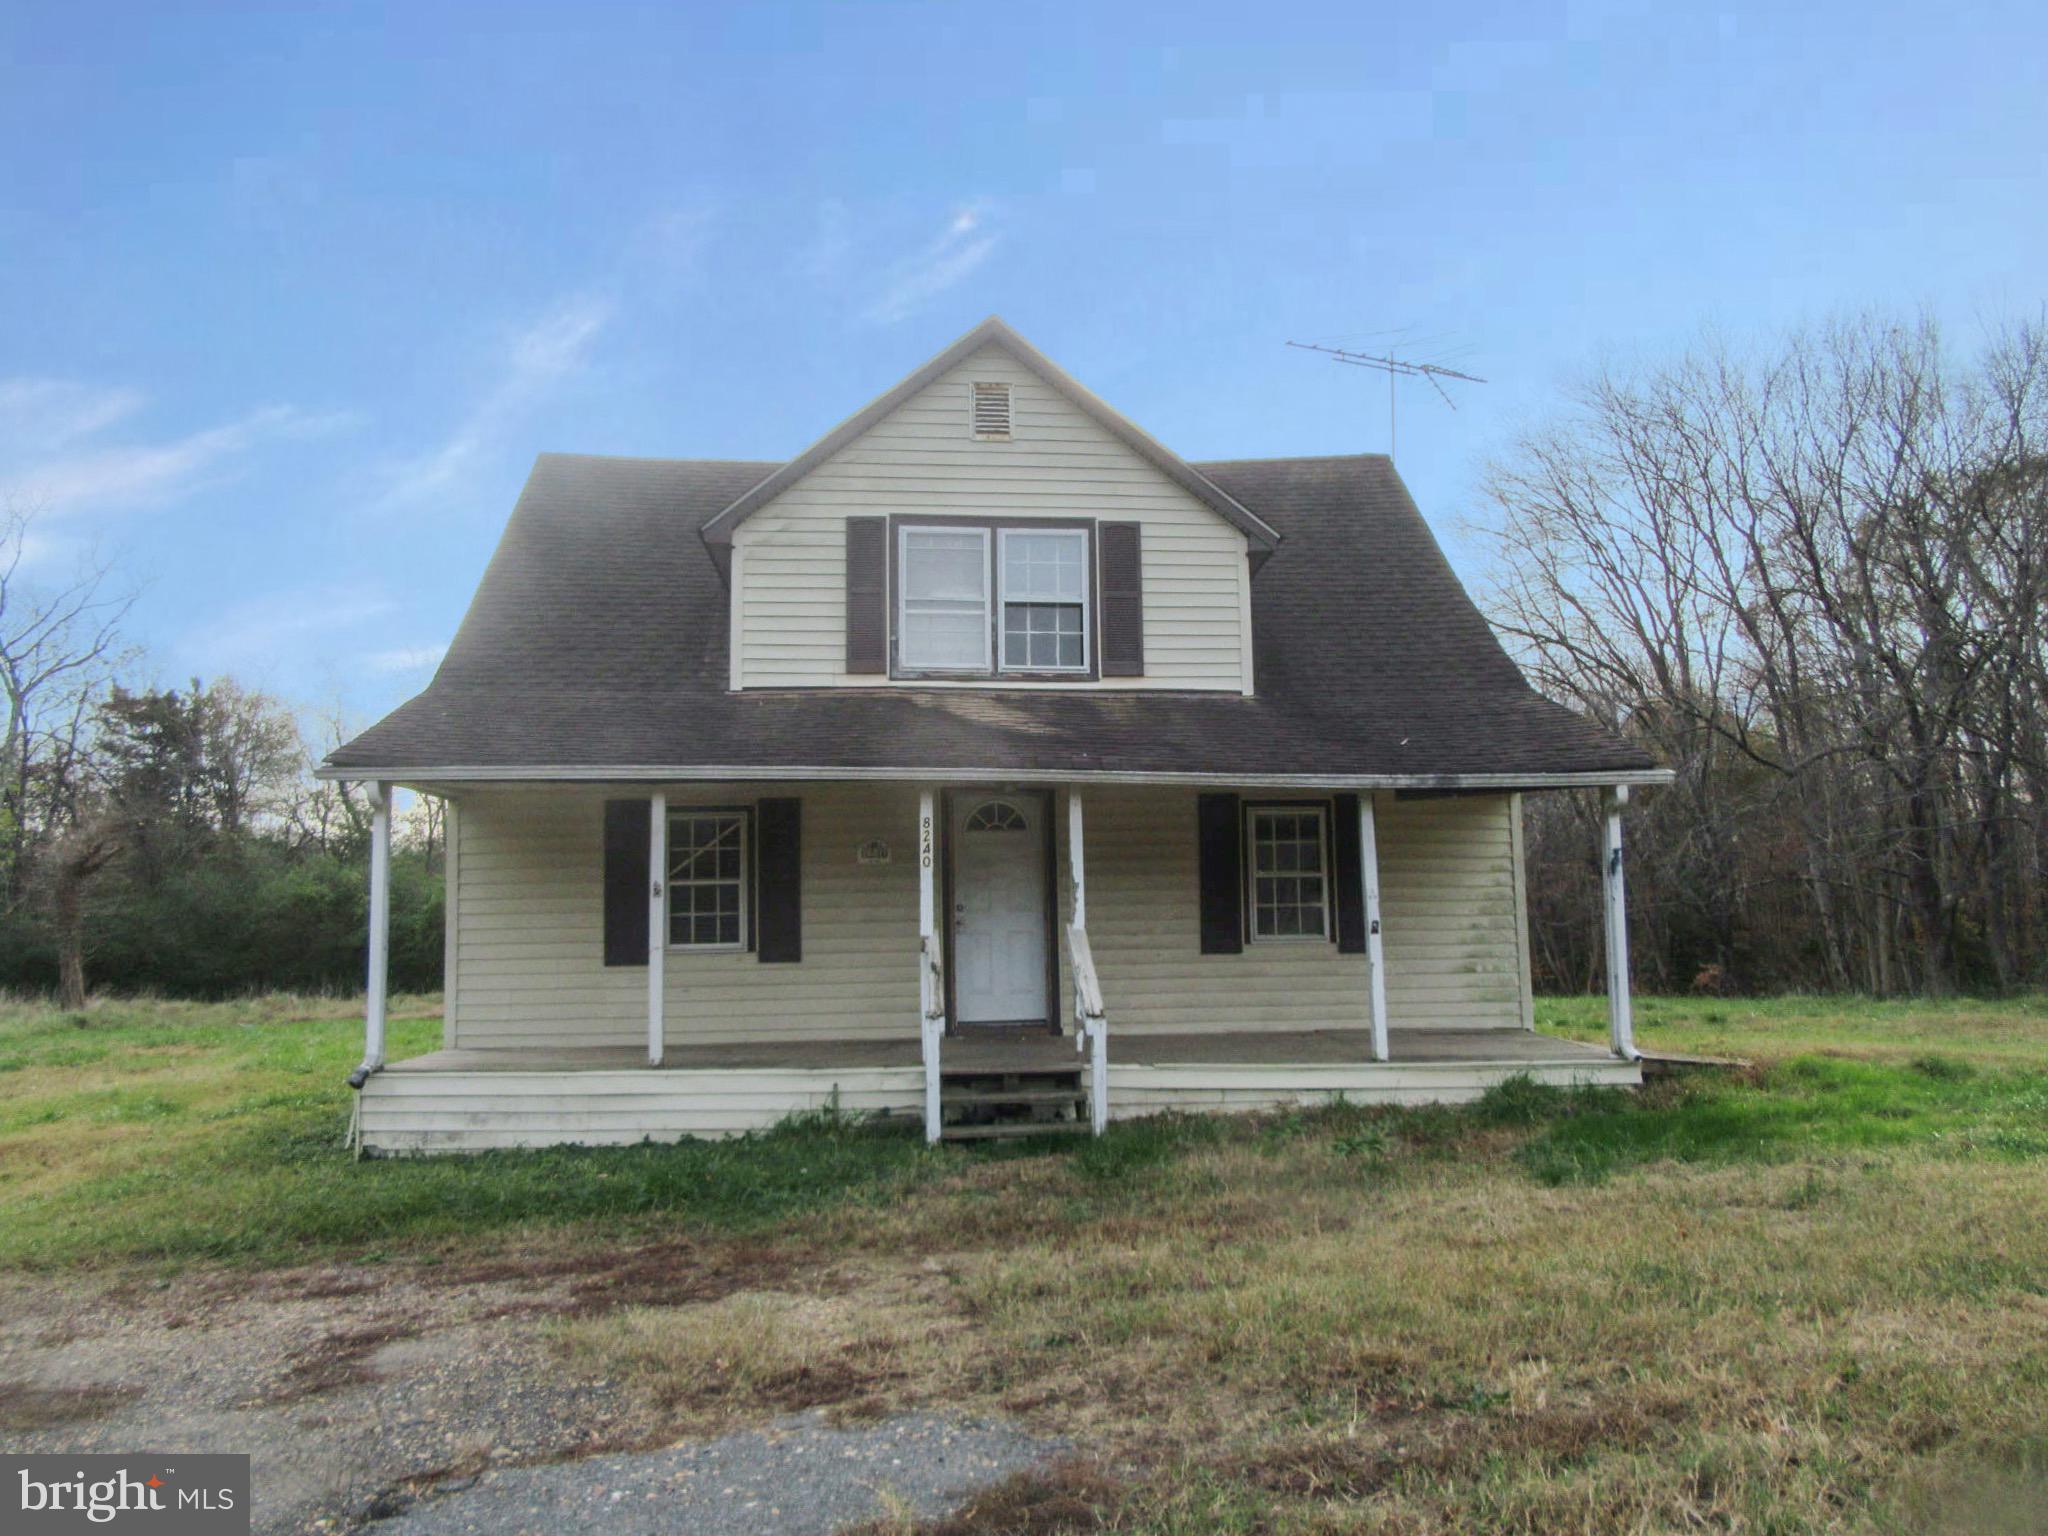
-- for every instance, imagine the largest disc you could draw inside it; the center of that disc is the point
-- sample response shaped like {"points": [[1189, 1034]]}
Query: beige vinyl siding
{"points": [[531, 939], [1448, 909], [790, 556], [1447, 900], [529, 917]]}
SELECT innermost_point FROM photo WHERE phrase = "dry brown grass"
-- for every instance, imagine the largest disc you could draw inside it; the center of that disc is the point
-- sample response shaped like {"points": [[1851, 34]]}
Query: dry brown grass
{"points": [[1263, 1337], [753, 1353]]}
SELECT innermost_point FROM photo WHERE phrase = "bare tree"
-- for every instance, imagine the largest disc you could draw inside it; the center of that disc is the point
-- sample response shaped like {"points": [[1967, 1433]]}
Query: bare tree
{"points": [[333, 816], [60, 644], [424, 826], [1812, 582], [79, 854]]}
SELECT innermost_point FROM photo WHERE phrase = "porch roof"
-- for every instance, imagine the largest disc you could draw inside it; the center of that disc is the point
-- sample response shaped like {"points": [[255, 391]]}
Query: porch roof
{"points": [[596, 647]]}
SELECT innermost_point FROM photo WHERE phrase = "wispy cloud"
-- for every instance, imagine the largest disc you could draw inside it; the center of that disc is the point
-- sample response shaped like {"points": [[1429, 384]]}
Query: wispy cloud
{"points": [[825, 256], [949, 258], [536, 360], [248, 637], [57, 412], [416, 658], [54, 458]]}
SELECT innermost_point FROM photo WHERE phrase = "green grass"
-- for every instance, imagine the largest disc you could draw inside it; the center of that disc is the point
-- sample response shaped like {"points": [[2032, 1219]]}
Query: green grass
{"points": [[160, 1130], [165, 1131], [2008, 1032], [1805, 1106], [1807, 1297]]}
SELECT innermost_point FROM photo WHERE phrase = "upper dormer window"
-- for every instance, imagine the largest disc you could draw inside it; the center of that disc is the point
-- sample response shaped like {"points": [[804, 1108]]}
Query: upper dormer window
{"points": [[1045, 600], [942, 592], [983, 600], [988, 410]]}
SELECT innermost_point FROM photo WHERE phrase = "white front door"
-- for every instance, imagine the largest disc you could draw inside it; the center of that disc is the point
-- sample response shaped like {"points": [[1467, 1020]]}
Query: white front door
{"points": [[998, 908]]}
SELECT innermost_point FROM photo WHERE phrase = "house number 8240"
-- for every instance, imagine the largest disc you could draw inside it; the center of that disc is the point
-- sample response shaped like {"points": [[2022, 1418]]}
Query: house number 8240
{"points": [[924, 842]]}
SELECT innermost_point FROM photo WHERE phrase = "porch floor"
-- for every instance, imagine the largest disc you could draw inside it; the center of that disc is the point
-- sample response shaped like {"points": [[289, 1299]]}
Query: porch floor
{"points": [[1015, 1051]]}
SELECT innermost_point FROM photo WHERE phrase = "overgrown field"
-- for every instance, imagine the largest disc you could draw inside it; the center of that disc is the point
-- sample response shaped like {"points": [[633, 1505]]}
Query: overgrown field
{"points": [[1811, 1296]]}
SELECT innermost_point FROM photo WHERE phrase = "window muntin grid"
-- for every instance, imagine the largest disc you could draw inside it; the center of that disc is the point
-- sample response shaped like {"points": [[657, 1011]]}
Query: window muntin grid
{"points": [[1290, 887], [707, 880]]}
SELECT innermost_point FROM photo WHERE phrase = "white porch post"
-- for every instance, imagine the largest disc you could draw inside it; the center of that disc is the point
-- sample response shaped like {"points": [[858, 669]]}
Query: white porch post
{"points": [[657, 925], [1375, 950], [931, 1009], [379, 981], [1094, 1027], [1076, 867], [1620, 1023]]}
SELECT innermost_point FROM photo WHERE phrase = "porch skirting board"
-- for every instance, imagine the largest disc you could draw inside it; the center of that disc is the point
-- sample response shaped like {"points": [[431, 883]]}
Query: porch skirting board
{"points": [[424, 1107], [1141, 1090], [477, 1111]]}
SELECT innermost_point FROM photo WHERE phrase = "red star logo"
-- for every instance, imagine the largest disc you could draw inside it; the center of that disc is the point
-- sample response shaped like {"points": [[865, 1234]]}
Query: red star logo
{"points": [[154, 1481]]}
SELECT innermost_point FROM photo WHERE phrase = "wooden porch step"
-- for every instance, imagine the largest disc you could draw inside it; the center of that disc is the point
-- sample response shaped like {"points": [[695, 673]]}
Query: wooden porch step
{"points": [[1013, 1129], [952, 1096]]}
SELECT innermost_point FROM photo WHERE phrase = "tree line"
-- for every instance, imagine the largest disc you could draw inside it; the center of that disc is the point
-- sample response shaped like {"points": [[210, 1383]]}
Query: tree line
{"points": [[174, 839], [1809, 578]]}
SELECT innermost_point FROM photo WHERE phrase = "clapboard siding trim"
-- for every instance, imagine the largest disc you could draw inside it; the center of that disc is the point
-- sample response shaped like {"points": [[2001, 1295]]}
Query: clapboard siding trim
{"points": [[790, 582]]}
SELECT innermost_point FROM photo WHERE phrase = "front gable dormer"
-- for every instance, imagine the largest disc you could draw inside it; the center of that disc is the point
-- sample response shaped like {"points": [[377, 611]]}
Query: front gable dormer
{"points": [[988, 523]]}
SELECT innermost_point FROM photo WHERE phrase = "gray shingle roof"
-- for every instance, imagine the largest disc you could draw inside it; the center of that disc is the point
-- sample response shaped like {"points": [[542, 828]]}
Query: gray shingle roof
{"points": [[597, 640]]}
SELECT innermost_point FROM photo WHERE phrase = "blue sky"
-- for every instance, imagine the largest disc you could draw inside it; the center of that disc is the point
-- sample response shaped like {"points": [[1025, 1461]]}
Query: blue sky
{"points": [[289, 297]]}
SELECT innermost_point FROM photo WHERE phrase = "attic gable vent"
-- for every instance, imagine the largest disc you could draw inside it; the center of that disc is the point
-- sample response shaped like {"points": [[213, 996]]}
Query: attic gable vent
{"points": [[989, 407]]}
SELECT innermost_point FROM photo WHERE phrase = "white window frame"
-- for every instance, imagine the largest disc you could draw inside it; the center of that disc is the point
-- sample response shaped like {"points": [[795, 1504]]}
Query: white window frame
{"points": [[999, 626], [746, 884], [903, 663], [1321, 812]]}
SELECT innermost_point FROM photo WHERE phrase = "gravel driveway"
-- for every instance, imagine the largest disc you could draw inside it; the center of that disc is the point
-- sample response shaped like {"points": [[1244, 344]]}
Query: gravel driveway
{"points": [[429, 1396], [800, 1477]]}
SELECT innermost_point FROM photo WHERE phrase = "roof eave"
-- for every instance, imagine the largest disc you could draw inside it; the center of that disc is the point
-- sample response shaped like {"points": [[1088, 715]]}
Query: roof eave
{"points": [[625, 773]]}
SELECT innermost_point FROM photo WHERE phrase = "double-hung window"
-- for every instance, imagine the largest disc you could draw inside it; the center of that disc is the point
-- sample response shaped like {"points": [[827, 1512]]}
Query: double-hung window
{"points": [[1045, 600], [707, 880], [942, 600], [1289, 872], [988, 601]]}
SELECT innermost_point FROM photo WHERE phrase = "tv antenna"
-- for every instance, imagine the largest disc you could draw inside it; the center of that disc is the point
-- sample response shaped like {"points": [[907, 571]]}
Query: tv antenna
{"points": [[1396, 369]]}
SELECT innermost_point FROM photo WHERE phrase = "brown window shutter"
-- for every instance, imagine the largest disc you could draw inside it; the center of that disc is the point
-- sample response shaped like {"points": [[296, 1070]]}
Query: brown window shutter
{"points": [[627, 824], [1123, 600], [1347, 893], [867, 594], [778, 861], [1220, 839]]}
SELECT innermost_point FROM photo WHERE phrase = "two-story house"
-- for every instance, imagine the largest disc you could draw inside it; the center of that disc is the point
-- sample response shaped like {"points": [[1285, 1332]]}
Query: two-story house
{"points": [[985, 763]]}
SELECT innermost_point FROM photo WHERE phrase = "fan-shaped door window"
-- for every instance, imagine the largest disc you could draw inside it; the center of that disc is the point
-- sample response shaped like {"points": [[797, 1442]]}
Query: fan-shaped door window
{"points": [[997, 816]]}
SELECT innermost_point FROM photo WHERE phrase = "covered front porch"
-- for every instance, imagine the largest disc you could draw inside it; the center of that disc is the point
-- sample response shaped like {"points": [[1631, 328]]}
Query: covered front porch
{"points": [[707, 959], [475, 1100]]}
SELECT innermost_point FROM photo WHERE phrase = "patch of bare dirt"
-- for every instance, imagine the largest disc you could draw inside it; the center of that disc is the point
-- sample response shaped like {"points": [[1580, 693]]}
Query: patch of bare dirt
{"points": [[662, 1274], [1316, 1467], [24, 1406], [341, 1359], [1066, 1498]]}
